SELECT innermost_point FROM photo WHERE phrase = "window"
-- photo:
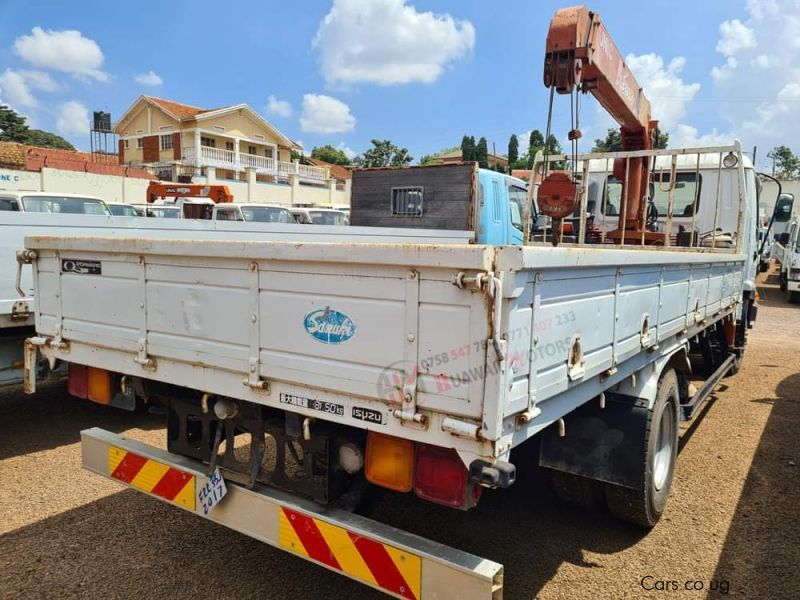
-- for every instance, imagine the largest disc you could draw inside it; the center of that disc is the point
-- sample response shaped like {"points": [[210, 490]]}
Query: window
{"points": [[517, 197], [65, 205], [268, 152], [166, 142], [496, 211], [612, 197], [9, 204], [407, 201], [229, 146], [783, 208], [127, 144], [139, 142], [252, 150], [267, 214], [207, 141], [686, 188]]}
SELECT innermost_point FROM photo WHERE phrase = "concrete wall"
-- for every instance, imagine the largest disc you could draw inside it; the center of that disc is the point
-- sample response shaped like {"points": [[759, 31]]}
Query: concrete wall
{"points": [[132, 190], [111, 188], [277, 193], [769, 193]]}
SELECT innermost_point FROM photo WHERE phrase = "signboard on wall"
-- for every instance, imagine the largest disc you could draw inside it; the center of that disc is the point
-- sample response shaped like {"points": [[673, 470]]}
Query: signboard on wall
{"points": [[19, 180]]}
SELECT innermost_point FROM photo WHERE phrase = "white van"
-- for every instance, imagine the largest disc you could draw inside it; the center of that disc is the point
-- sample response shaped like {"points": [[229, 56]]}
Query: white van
{"points": [[319, 216], [52, 202]]}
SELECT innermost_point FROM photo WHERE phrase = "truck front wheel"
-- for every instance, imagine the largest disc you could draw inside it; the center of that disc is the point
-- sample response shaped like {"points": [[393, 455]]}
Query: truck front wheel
{"points": [[645, 504]]}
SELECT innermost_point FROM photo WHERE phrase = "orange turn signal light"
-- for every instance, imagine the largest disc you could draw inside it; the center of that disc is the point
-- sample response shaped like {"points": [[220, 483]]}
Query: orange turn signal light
{"points": [[99, 387], [389, 462]]}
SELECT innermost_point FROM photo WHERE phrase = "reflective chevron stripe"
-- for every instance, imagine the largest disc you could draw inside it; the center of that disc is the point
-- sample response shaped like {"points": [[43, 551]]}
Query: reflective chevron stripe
{"points": [[369, 560], [152, 476]]}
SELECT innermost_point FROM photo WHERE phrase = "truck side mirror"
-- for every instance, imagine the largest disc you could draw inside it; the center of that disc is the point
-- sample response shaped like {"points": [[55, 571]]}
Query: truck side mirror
{"points": [[782, 238]]}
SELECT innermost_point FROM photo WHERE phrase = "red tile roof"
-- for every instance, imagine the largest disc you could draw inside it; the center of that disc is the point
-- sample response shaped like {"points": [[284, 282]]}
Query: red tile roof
{"points": [[182, 111], [337, 171]]}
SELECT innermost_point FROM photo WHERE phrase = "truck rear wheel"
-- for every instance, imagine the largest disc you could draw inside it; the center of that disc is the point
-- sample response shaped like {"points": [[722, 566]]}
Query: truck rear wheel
{"points": [[645, 504], [794, 297]]}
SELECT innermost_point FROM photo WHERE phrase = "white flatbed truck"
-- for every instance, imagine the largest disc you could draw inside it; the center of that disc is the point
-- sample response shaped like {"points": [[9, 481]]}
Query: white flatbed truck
{"points": [[294, 371], [786, 250]]}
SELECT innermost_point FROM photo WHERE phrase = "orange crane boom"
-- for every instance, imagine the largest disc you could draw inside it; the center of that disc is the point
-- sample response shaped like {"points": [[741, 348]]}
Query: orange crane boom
{"points": [[580, 53], [217, 193]]}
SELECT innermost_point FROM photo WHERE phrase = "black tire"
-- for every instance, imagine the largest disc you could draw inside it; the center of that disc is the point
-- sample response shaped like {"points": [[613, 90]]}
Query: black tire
{"points": [[578, 491], [794, 297], [782, 282], [644, 505]]}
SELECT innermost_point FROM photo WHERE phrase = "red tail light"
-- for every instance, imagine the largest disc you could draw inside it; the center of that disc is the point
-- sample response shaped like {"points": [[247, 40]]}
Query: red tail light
{"points": [[441, 477], [78, 381]]}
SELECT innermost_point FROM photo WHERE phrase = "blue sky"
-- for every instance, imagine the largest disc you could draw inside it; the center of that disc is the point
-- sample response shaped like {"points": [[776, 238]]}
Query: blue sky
{"points": [[354, 70]]}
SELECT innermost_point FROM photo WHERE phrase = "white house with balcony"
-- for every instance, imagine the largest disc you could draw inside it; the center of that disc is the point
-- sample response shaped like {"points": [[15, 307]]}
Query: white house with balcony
{"points": [[231, 143]]}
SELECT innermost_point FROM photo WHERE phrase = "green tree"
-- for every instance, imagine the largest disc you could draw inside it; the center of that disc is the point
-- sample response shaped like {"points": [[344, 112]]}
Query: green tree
{"points": [[37, 137], [553, 146], [468, 150], [384, 154], [13, 128], [785, 164], [535, 140], [330, 155], [513, 149], [482, 153], [613, 141]]}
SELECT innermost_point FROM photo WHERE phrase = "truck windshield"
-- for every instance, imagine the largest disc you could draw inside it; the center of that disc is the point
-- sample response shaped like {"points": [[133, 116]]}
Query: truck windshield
{"points": [[267, 214], [327, 217], [163, 212], [684, 193], [60, 204], [122, 210], [517, 198]]}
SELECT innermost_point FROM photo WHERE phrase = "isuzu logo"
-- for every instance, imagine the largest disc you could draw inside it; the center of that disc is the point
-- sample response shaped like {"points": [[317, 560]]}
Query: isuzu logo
{"points": [[329, 326]]}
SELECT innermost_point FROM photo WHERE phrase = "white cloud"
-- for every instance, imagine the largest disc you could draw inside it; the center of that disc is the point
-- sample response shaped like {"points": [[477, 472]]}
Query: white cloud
{"points": [[66, 51], [388, 42], [150, 79], [735, 36], [348, 152], [323, 114], [18, 86], [686, 136], [16, 90], [280, 108], [73, 119], [41, 81], [758, 91], [663, 86]]}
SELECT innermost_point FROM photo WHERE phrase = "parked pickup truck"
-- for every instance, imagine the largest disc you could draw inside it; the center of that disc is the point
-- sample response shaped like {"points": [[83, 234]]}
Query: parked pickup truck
{"points": [[295, 372], [786, 250]]}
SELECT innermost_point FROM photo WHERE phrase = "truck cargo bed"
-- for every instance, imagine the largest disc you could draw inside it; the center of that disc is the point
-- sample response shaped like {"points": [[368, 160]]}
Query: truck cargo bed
{"points": [[447, 344]]}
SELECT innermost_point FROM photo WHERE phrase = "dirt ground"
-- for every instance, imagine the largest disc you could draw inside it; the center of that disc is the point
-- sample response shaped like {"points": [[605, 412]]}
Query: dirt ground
{"points": [[731, 526]]}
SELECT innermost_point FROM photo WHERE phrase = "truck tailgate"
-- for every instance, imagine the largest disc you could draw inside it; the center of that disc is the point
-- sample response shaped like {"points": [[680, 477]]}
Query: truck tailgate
{"points": [[375, 321]]}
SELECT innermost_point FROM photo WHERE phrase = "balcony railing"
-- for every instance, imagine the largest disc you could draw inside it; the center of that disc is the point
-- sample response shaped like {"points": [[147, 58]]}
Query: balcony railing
{"points": [[263, 165]]}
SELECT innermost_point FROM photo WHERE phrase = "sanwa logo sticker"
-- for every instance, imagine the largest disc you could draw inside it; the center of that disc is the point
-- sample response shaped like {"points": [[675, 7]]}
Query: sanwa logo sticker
{"points": [[329, 326]]}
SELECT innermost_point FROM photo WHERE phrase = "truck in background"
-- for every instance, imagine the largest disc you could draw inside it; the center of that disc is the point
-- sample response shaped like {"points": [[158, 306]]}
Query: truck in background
{"points": [[459, 197], [786, 250]]}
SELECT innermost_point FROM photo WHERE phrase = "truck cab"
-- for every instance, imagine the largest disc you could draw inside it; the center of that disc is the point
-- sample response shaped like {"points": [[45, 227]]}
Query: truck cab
{"points": [[502, 201], [787, 251]]}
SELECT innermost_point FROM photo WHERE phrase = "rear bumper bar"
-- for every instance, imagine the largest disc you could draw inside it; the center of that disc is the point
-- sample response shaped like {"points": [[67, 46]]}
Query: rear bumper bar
{"points": [[390, 560]]}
